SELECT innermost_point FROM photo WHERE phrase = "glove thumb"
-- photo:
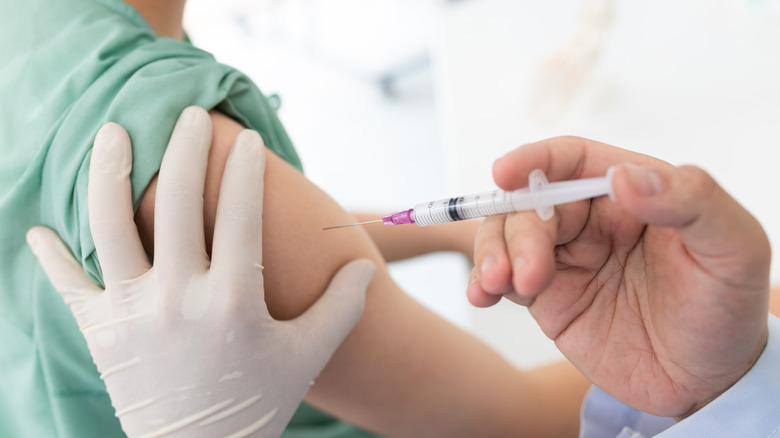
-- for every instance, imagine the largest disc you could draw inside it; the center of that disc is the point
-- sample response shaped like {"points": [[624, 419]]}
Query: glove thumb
{"points": [[62, 269], [330, 319]]}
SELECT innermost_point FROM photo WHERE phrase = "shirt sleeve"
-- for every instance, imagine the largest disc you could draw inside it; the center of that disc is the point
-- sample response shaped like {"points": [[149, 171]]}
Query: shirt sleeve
{"points": [[602, 416], [751, 406], [143, 88]]}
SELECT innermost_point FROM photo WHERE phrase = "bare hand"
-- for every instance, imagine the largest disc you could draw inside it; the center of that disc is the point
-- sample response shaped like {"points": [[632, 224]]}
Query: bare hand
{"points": [[659, 297]]}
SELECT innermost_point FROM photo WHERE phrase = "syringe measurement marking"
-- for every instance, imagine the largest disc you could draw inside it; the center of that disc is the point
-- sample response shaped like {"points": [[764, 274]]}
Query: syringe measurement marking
{"points": [[539, 195]]}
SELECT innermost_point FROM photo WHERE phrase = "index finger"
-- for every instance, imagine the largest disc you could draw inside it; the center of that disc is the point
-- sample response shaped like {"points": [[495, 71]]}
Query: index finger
{"points": [[561, 158]]}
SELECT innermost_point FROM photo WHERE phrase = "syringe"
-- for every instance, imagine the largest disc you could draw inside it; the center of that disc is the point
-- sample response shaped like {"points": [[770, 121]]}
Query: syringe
{"points": [[540, 195]]}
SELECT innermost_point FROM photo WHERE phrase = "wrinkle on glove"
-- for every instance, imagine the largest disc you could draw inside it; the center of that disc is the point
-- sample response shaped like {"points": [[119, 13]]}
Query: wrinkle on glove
{"points": [[187, 347]]}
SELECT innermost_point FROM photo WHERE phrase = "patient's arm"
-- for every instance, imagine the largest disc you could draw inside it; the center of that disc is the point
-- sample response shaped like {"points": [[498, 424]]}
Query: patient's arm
{"points": [[403, 371], [774, 301]]}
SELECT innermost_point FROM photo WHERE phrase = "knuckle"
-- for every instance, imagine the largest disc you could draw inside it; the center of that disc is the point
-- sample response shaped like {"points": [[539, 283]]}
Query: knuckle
{"points": [[235, 295], [185, 139], [178, 195], [698, 182], [569, 139], [107, 230], [242, 211]]}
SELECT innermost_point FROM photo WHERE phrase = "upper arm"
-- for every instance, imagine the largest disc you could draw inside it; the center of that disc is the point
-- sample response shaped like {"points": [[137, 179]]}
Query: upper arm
{"points": [[397, 370], [294, 212]]}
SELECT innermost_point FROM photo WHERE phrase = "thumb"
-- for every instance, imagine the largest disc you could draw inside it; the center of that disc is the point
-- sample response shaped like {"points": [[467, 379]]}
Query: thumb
{"points": [[330, 319], [62, 269], [713, 226]]}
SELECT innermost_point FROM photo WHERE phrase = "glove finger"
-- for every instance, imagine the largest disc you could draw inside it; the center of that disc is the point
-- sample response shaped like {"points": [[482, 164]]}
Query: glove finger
{"points": [[65, 273], [238, 232], [111, 221], [330, 319], [178, 221]]}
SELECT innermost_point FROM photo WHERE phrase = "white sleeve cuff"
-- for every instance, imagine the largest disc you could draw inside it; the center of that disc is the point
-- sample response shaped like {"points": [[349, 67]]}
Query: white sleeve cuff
{"points": [[749, 408]]}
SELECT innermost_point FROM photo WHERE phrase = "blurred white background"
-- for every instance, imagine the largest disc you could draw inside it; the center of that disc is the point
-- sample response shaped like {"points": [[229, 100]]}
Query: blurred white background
{"points": [[394, 102]]}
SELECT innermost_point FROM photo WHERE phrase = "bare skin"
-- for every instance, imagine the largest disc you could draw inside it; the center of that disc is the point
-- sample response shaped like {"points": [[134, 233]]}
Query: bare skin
{"points": [[399, 369], [774, 301], [165, 17], [665, 288], [401, 361], [366, 382]]}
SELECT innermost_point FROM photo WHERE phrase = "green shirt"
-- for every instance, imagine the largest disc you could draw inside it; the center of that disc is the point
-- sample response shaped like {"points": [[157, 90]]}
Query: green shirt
{"points": [[66, 68]]}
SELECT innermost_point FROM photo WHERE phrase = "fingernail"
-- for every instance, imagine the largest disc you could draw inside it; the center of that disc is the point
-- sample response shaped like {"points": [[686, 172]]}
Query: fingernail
{"points": [[367, 272], [188, 117], [104, 134], [519, 263], [108, 136], [610, 175], [32, 238], [643, 181], [248, 143], [488, 263]]}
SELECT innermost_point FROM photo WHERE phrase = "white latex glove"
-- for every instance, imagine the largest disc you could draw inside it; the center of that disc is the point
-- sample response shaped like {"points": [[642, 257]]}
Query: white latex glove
{"points": [[187, 347]]}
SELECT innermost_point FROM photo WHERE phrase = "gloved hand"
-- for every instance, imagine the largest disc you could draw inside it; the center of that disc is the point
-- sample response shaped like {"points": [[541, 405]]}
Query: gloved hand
{"points": [[187, 347]]}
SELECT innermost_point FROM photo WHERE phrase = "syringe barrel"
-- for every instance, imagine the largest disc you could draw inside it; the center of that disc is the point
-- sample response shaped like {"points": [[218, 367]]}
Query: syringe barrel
{"points": [[540, 197], [472, 206]]}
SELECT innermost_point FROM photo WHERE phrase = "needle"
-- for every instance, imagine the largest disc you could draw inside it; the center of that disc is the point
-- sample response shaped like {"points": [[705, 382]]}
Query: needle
{"points": [[353, 225]]}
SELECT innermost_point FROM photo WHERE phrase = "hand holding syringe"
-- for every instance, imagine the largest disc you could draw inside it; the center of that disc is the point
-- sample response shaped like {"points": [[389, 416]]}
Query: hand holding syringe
{"points": [[539, 195]]}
